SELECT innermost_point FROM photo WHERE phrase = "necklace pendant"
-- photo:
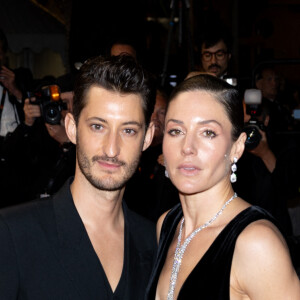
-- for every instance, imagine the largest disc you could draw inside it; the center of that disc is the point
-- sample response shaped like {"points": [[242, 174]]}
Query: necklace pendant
{"points": [[179, 252]]}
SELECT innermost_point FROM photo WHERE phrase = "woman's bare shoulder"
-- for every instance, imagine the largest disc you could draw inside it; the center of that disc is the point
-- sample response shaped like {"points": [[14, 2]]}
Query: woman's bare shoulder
{"points": [[262, 266], [159, 223]]}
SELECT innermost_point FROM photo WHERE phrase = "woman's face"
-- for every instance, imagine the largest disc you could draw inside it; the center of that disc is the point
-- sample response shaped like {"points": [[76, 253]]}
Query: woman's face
{"points": [[197, 142]]}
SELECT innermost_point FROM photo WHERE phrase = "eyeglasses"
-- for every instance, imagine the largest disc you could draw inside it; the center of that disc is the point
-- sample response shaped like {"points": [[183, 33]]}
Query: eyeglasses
{"points": [[219, 55]]}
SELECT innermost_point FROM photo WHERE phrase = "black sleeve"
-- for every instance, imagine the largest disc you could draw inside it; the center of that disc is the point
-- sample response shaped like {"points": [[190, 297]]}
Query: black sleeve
{"points": [[9, 277]]}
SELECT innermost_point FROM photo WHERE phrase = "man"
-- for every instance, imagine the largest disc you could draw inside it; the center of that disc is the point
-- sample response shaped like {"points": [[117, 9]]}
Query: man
{"points": [[11, 91], [158, 116], [38, 156], [84, 243], [268, 175], [123, 47], [215, 53], [267, 80], [158, 192]]}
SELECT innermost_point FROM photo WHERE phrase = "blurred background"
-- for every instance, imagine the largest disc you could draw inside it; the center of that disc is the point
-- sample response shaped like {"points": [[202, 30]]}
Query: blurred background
{"points": [[49, 36]]}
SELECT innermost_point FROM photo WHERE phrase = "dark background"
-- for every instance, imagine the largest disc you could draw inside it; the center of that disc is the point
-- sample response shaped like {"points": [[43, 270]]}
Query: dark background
{"points": [[261, 30]]}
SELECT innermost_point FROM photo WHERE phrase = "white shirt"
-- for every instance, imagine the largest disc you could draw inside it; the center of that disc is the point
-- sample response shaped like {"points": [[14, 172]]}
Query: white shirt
{"points": [[9, 117]]}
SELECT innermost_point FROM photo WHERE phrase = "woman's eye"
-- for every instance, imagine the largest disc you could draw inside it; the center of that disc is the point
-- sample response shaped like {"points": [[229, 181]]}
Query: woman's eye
{"points": [[174, 132], [209, 133]]}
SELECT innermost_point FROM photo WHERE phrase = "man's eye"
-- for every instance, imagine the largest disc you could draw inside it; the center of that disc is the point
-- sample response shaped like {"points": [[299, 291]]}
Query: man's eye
{"points": [[174, 132], [209, 133], [130, 131], [97, 127]]}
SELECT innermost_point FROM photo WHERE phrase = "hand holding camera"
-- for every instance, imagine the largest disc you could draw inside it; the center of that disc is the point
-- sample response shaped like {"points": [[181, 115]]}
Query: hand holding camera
{"points": [[257, 142], [254, 126], [58, 133], [7, 78], [49, 102], [31, 112]]}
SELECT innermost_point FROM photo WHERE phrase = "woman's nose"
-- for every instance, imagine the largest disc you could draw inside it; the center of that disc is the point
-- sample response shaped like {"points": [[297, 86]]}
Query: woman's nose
{"points": [[189, 146]]}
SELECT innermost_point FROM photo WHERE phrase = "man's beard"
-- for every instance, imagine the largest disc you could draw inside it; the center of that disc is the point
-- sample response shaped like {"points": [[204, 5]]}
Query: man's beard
{"points": [[108, 184]]}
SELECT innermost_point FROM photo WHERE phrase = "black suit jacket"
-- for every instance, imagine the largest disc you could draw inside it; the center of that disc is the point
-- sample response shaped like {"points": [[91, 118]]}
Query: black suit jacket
{"points": [[45, 253]]}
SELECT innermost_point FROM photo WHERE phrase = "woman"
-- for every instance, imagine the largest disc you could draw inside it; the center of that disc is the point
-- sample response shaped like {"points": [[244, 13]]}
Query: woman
{"points": [[214, 245]]}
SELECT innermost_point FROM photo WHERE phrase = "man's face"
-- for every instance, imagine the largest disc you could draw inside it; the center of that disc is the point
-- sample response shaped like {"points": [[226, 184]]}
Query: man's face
{"points": [[110, 138], [269, 84], [215, 59], [158, 118], [122, 49]]}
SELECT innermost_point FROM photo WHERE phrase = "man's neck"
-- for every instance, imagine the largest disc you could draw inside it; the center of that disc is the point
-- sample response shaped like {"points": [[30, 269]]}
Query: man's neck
{"points": [[97, 206]]}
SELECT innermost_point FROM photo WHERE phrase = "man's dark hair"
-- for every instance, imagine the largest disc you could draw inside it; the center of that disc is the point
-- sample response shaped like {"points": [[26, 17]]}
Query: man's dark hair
{"points": [[121, 74], [259, 71], [214, 35]]}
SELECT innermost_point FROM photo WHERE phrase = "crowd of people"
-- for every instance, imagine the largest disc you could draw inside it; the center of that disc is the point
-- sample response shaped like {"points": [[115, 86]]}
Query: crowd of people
{"points": [[112, 187]]}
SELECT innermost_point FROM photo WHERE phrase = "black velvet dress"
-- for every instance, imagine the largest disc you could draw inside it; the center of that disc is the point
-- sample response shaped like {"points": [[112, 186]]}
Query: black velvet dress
{"points": [[210, 278]]}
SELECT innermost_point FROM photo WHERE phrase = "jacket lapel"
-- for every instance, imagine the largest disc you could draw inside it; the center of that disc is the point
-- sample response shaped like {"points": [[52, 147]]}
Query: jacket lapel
{"points": [[75, 249]]}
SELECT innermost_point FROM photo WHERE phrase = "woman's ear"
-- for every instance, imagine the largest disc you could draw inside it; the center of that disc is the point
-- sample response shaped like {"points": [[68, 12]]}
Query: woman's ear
{"points": [[70, 126], [149, 136], [238, 146]]}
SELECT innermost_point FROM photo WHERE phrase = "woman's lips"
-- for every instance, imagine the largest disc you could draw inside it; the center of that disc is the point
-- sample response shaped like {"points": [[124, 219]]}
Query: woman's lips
{"points": [[189, 170]]}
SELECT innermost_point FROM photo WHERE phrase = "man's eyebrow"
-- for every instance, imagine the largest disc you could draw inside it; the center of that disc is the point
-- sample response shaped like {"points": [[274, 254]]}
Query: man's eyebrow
{"points": [[125, 123], [97, 119], [133, 123]]}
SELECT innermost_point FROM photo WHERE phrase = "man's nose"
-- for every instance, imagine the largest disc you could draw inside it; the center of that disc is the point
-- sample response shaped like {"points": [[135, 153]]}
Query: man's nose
{"points": [[213, 58], [111, 144]]}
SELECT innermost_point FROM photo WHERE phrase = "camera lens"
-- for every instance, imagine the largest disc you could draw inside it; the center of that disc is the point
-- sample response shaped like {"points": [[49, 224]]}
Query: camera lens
{"points": [[52, 114], [253, 137]]}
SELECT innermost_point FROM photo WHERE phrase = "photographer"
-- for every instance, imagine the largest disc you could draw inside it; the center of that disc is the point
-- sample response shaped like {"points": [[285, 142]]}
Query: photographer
{"points": [[268, 170], [13, 84], [38, 156]]}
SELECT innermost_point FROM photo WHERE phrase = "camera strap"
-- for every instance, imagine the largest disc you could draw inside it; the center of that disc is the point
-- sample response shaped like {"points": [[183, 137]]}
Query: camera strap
{"points": [[2, 102]]}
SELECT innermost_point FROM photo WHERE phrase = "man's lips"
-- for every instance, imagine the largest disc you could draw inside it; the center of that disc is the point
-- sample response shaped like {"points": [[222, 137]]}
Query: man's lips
{"points": [[109, 165]]}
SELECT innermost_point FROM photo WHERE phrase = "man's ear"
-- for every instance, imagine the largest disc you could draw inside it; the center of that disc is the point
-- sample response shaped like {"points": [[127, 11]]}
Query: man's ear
{"points": [[259, 84], [266, 121], [70, 126], [149, 136], [238, 147]]}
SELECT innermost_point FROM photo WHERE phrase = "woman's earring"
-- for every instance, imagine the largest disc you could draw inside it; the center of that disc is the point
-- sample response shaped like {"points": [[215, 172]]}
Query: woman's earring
{"points": [[233, 169], [166, 173]]}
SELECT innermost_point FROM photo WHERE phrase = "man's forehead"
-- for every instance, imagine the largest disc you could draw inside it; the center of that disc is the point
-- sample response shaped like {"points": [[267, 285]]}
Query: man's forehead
{"points": [[220, 45]]}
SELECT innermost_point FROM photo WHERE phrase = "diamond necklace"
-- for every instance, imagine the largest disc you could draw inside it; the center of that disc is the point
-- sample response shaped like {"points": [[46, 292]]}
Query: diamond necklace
{"points": [[181, 249]]}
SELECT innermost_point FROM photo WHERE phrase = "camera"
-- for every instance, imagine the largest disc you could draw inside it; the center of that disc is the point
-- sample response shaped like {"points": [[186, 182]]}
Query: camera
{"points": [[253, 99], [48, 98]]}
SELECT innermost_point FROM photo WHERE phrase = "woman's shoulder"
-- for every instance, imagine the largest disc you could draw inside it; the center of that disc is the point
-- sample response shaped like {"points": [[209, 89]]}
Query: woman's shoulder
{"points": [[260, 234], [261, 259], [167, 218]]}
